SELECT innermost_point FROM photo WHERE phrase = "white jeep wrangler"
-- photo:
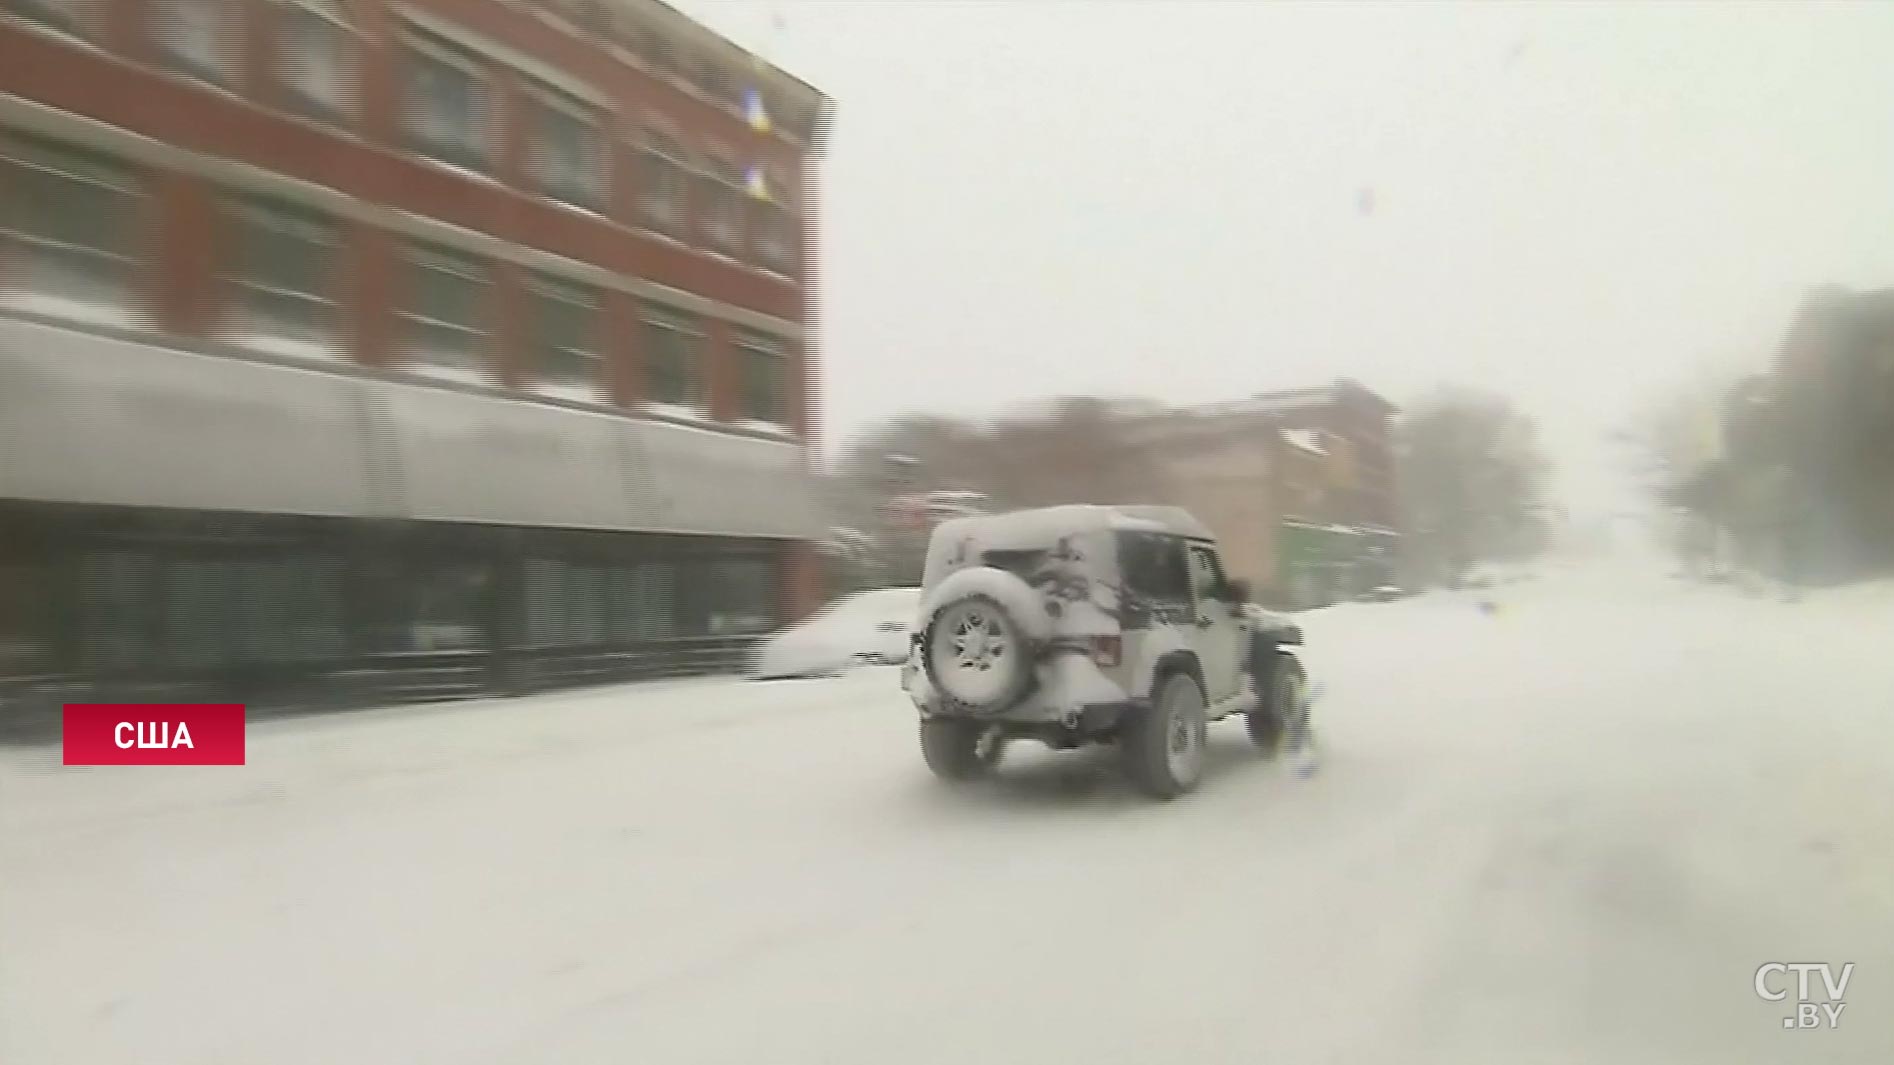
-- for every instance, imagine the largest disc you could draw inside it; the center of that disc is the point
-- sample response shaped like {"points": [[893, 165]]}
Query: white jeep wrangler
{"points": [[1083, 624]]}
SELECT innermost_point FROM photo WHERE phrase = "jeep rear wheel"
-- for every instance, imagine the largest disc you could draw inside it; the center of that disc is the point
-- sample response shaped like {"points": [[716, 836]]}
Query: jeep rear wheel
{"points": [[960, 750], [976, 653], [1163, 746]]}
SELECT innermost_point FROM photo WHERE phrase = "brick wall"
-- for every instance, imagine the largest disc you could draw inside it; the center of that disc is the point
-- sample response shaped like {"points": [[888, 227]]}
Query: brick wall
{"points": [[115, 79]]}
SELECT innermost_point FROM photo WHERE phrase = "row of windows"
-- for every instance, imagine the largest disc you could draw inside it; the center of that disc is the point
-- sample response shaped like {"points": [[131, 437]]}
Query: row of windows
{"points": [[616, 25], [70, 225], [139, 609], [209, 613], [314, 46], [583, 603], [197, 37], [449, 109], [449, 113]]}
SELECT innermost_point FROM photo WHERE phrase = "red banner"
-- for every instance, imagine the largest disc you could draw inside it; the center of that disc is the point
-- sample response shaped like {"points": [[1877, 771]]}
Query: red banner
{"points": [[154, 734]]}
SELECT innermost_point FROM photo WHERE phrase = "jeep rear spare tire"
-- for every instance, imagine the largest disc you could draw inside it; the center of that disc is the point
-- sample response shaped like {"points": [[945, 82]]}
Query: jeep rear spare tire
{"points": [[977, 654], [1163, 744]]}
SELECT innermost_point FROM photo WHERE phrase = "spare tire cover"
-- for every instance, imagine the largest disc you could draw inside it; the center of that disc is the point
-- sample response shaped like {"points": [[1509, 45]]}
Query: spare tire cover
{"points": [[982, 633]]}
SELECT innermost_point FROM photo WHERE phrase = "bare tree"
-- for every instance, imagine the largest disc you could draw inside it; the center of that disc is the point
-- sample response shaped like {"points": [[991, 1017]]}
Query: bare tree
{"points": [[1077, 450], [1070, 450], [1473, 483]]}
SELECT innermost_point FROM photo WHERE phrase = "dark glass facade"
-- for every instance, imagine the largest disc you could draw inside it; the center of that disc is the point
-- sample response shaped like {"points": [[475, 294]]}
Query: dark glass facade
{"points": [[113, 603]]}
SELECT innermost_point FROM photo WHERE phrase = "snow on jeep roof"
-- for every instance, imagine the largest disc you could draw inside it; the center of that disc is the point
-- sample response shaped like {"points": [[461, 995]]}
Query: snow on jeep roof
{"points": [[1041, 526]]}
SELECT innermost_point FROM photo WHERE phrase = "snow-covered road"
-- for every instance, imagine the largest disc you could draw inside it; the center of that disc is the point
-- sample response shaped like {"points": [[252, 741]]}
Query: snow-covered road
{"points": [[1570, 832]]}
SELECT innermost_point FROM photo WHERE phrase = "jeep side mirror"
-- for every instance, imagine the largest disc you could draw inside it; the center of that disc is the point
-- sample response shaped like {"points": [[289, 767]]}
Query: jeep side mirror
{"points": [[1237, 590]]}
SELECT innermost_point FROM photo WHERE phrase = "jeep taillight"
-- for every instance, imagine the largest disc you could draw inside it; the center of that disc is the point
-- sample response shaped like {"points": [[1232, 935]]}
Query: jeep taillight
{"points": [[1108, 650]]}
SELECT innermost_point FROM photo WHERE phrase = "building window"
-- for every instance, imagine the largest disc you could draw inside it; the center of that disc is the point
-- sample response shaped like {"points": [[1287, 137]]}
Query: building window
{"points": [[762, 368], [718, 84], [672, 345], [771, 226], [662, 183], [197, 37], [720, 203], [591, 17], [70, 220], [566, 333], [567, 161], [285, 269], [447, 308], [66, 16], [316, 58], [445, 103]]}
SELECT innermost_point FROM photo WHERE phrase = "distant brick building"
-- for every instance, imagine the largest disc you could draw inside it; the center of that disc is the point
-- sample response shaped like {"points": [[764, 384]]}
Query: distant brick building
{"points": [[348, 336], [1299, 487]]}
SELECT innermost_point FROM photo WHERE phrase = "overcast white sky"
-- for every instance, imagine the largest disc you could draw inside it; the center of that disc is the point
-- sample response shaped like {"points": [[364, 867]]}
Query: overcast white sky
{"points": [[1572, 204]]}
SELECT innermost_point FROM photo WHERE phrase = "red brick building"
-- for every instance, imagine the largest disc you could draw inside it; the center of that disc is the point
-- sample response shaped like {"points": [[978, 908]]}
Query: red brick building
{"points": [[1298, 485], [467, 335]]}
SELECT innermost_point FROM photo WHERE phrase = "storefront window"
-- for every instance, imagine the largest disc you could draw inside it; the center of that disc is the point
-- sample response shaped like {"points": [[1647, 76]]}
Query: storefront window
{"points": [[586, 589], [114, 599], [196, 616], [644, 602], [312, 627], [545, 603], [449, 608], [23, 610], [740, 596], [264, 610]]}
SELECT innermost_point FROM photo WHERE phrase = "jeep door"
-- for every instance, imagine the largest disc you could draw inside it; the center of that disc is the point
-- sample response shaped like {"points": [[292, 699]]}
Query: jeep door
{"points": [[1156, 607], [1219, 632]]}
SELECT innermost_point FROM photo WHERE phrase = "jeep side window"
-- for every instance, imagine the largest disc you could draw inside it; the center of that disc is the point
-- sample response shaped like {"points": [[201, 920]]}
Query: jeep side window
{"points": [[1154, 567], [1206, 575]]}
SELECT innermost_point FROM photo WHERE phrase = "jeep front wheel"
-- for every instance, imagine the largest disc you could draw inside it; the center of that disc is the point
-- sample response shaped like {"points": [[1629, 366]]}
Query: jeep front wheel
{"points": [[1283, 709], [958, 750], [1163, 746]]}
